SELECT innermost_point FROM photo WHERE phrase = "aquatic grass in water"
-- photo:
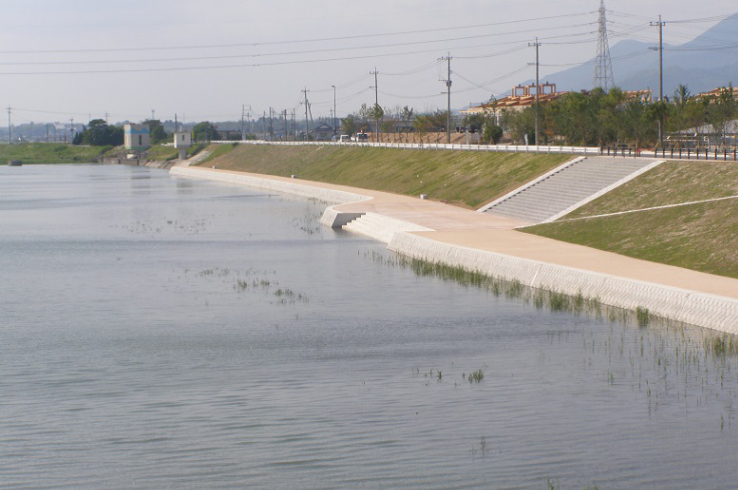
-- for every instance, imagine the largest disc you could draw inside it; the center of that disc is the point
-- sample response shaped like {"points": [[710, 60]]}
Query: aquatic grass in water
{"points": [[556, 301], [643, 316], [476, 376]]}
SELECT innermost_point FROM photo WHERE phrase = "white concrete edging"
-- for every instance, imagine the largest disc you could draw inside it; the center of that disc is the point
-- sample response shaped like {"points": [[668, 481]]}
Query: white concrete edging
{"points": [[704, 310]]}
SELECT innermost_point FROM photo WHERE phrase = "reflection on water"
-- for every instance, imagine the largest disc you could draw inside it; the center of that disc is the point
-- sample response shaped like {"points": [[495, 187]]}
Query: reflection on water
{"points": [[165, 333]]}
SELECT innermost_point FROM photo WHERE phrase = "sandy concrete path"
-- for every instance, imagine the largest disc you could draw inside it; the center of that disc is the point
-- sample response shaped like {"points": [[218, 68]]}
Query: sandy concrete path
{"points": [[482, 231]]}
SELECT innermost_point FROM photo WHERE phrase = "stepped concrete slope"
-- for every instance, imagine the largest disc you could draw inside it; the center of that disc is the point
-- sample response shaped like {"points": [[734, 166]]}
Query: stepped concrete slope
{"points": [[380, 227], [570, 186]]}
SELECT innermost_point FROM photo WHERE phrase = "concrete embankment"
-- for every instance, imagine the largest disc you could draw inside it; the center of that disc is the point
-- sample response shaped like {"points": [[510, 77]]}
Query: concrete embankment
{"points": [[138, 162], [676, 294]]}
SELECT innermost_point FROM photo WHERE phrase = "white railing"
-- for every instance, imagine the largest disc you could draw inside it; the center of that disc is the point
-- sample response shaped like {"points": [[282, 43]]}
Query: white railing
{"points": [[568, 150]]}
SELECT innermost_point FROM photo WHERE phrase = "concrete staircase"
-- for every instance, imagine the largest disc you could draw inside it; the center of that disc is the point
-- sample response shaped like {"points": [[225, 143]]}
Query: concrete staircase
{"points": [[569, 187], [380, 227]]}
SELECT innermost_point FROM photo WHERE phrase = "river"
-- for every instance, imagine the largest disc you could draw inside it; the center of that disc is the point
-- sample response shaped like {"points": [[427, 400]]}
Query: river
{"points": [[158, 332]]}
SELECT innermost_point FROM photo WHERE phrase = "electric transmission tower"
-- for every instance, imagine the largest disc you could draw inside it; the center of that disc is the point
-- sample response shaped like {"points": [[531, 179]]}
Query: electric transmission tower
{"points": [[603, 77]]}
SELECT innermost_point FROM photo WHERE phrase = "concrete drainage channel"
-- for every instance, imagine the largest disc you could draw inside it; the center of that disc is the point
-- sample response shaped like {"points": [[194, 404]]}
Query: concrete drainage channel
{"points": [[700, 309]]}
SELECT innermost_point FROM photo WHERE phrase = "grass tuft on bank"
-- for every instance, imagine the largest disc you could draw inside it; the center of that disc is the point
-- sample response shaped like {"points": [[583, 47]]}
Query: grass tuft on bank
{"points": [[464, 178], [702, 237], [50, 153]]}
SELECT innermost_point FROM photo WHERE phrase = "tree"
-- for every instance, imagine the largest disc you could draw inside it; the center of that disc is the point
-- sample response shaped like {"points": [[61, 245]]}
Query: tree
{"points": [[475, 122], [98, 133], [156, 131], [350, 124], [205, 131], [519, 124], [492, 134], [377, 113], [422, 124], [721, 110]]}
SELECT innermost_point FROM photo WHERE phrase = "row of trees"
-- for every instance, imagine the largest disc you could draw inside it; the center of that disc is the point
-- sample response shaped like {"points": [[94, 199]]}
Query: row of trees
{"points": [[598, 118], [99, 133], [404, 119]]}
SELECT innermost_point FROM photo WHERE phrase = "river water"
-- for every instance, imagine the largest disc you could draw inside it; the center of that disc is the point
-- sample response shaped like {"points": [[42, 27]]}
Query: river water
{"points": [[166, 333]]}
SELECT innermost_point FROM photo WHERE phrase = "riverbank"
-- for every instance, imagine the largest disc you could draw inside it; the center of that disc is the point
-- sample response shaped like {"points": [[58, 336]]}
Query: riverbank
{"points": [[681, 213], [32, 153], [464, 178], [490, 245]]}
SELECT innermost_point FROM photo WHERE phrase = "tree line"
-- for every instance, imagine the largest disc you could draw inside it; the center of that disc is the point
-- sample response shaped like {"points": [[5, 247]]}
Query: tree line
{"points": [[99, 133], [599, 118]]}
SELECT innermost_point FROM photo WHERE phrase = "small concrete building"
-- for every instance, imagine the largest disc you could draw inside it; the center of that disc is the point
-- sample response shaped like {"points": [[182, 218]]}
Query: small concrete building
{"points": [[182, 139], [136, 137]]}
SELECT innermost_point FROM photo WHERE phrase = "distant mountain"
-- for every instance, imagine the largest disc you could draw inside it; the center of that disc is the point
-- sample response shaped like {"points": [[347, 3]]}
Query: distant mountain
{"points": [[707, 62]]}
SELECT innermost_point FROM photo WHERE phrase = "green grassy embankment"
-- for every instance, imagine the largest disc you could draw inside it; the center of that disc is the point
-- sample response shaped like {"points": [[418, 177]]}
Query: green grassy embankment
{"points": [[464, 178], [703, 236], [50, 153], [162, 153]]}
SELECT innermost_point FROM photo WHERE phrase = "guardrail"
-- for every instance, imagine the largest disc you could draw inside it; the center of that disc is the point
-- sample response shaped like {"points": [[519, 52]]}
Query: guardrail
{"points": [[671, 154], [567, 150]]}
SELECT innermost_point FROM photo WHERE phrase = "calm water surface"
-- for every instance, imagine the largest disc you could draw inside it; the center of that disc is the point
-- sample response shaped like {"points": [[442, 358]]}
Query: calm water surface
{"points": [[165, 333]]}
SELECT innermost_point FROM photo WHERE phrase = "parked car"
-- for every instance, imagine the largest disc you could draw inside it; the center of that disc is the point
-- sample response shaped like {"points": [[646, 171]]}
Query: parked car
{"points": [[360, 137], [344, 138]]}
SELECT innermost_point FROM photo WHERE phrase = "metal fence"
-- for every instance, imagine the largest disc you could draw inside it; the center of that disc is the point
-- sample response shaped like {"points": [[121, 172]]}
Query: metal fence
{"points": [[567, 150]]}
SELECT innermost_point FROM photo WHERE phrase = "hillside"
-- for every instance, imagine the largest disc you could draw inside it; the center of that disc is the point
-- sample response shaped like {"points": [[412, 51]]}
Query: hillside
{"points": [[702, 64]]}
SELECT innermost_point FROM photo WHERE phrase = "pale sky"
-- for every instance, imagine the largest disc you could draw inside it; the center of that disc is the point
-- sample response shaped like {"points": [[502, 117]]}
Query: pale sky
{"points": [[262, 54]]}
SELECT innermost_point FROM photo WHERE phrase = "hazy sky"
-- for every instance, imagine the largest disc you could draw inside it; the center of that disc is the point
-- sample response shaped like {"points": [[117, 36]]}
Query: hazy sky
{"points": [[204, 60]]}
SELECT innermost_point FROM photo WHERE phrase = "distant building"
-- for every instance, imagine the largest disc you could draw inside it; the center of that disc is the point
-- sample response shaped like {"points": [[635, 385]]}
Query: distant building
{"points": [[323, 132], [717, 93], [136, 137], [521, 97], [524, 96], [182, 139]]}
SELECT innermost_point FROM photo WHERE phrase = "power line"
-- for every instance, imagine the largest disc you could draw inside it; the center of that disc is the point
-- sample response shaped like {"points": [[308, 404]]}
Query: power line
{"points": [[266, 55], [298, 41]]}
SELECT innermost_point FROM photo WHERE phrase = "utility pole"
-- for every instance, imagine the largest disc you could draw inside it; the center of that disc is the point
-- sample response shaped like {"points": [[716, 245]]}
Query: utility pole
{"points": [[243, 132], [176, 126], [376, 103], [153, 116], [538, 89], [71, 131], [10, 126], [285, 124], [307, 121], [448, 94], [335, 114], [660, 49], [106, 118], [271, 123]]}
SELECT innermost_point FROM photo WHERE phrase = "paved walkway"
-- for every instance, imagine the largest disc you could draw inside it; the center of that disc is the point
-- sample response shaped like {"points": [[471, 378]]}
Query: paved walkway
{"points": [[491, 233]]}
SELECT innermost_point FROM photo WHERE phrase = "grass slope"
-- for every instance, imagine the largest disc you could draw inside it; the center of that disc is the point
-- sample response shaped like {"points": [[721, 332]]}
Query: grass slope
{"points": [[703, 237], [162, 153], [464, 178], [50, 153], [669, 183]]}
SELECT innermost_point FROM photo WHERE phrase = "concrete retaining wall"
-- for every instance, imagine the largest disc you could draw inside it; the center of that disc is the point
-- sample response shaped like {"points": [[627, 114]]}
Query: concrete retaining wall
{"points": [[714, 312]]}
